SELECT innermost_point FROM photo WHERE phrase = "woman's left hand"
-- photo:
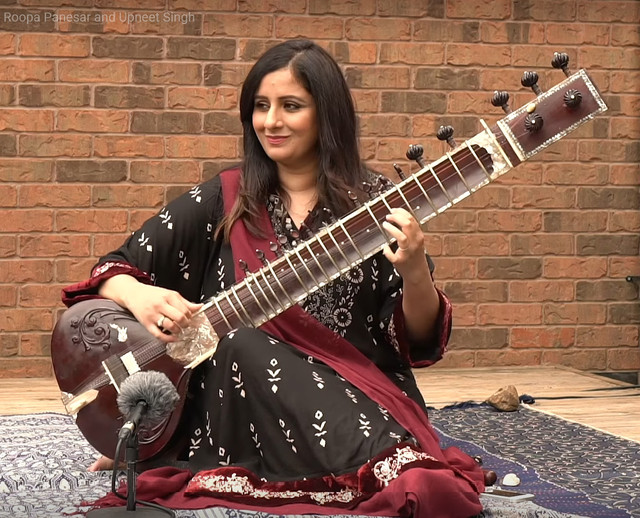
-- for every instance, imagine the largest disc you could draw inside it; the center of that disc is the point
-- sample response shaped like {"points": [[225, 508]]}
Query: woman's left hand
{"points": [[409, 259]]}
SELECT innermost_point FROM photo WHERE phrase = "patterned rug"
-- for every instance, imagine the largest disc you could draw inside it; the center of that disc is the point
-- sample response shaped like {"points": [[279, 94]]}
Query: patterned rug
{"points": [[572, 470]]}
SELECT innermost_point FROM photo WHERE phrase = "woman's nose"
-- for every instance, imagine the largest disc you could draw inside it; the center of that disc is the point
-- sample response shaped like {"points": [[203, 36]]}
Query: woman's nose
{"points": [[273, 118]]}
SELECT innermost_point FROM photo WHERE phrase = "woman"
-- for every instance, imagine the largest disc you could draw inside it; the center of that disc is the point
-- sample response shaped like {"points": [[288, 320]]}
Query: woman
{"points": [[316, 410]]}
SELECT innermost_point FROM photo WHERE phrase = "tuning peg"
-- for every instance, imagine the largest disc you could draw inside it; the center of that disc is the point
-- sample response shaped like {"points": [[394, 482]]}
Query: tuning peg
{"points": [[561, 60], [501, 98], [354, 198], [530, 79], [572, 98], [262, 257], [445, 133], [399, 172], [415, 152], [243, 265], [275, 248], [533, 122]]}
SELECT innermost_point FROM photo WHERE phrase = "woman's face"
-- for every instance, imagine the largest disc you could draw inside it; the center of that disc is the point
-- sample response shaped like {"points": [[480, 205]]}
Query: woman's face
{"points": [[284, 119]]}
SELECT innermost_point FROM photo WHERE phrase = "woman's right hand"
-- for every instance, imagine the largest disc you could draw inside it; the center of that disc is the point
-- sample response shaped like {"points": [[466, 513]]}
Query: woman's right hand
{"points": [[164, 313]]}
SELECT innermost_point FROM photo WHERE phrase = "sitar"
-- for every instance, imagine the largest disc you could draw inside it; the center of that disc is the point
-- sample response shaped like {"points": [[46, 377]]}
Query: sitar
{"points": [[96, 344]]}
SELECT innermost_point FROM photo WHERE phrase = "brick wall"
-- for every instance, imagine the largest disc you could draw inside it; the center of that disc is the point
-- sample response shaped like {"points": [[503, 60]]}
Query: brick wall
{"points": [[108, 111]]}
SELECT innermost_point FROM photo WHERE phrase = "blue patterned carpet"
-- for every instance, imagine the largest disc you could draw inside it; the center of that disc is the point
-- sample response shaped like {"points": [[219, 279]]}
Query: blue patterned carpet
{"points": [[572, 470]]}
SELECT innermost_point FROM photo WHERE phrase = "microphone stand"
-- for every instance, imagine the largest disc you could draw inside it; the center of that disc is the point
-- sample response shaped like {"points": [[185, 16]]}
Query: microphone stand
{"points": [[131, 458]]}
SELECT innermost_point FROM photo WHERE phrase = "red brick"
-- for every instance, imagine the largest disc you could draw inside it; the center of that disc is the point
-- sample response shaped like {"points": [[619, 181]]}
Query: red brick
{"points": [[498, 9], [25, 320], [165, 171], [55, 145], [507, 221], [54, 45], [608, 11], [577, 313], [515, 32], [578, 34], [26, 120], [574, 267], [568, 174], [201, 147], [375, 29], [26, 368], [542, 337], [100, 220], [94, 71], [128, 146], [526, 174], [508, 357], [627, 221], [625, 82], [93, 121], [54, 245], [203, 5], [456, 360], [476, 245], [26, 220], [138, 217], [467, 102], [354, 52], [105, 243], [623, 359], [478, 291], [624, 174], [8, 246], [8, 296], [35, 344], [40, 295], [625, 34], [589, 360], [540, 291], [55, 196], [258, 26], [412, 53], [8, 196], [127, 196], [7, 44], [9, 345], [542, 244], [543, 197], [509, 314], [305, 26], [27, 271], [278, 6], [625, 128], [455, 268], [623, 266], [202, 98], [466, 314], [473, 54], [21, 70], [73, 270], [619, 336], [453, 221], [366, 100], [168, 73]]}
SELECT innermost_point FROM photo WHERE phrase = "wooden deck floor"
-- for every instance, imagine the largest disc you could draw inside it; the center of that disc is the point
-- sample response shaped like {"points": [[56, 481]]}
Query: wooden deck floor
{"points": [[611, 410]]}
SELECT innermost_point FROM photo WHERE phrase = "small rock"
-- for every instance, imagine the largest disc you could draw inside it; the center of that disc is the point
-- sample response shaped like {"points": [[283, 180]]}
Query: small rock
{"points": [[505, 399], [511, 480]]}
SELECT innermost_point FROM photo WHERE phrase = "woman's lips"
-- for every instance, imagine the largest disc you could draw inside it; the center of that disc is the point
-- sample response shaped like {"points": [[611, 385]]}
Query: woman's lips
{"points": [[275, 140]]}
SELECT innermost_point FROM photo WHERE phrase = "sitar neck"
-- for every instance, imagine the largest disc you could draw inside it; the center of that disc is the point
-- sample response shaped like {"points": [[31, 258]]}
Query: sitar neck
{"points": [[334, 250]]}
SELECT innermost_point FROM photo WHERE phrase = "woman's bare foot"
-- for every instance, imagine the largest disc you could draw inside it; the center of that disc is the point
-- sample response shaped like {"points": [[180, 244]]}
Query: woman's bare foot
{"points": [[102, 464]]}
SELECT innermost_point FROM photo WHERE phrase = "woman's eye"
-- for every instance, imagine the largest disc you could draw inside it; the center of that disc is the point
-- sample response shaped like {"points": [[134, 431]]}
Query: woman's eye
{"points": [[261, 105], [291, 106]]}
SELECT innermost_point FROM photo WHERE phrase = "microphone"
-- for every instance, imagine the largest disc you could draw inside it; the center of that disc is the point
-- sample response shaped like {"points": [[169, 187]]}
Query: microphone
{"points": [[145, 399]]}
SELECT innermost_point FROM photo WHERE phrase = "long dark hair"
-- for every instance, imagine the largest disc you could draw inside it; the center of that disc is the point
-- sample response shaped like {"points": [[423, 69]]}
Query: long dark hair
{"points": [[340, 169]]}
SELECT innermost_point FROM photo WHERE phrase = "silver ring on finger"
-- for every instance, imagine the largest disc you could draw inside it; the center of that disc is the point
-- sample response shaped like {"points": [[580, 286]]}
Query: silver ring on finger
{"points": [[160, 322]]}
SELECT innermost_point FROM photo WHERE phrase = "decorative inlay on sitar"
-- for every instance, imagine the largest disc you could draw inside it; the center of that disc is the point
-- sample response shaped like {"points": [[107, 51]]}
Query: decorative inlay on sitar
{"points": [[96, 344]]}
